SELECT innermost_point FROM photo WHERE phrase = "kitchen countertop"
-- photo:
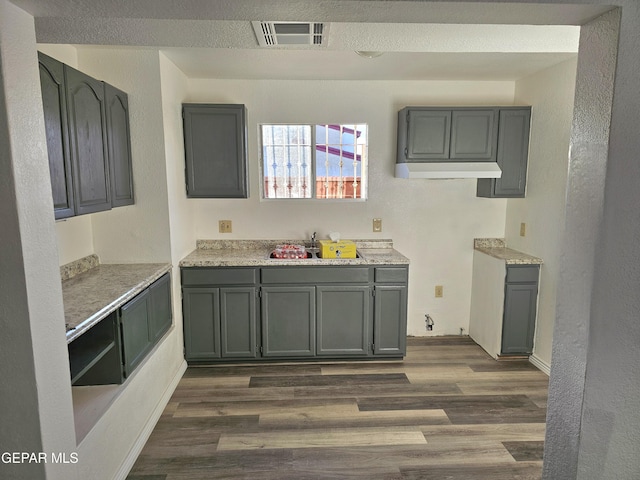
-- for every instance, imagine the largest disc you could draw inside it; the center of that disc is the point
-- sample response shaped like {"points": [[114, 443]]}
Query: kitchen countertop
{"points": [[497, 248], [95, 293], [255, 253]]}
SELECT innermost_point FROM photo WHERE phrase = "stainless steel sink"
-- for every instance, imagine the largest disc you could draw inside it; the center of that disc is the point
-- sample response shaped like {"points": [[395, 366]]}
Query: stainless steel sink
{"points": [[312, 253]]}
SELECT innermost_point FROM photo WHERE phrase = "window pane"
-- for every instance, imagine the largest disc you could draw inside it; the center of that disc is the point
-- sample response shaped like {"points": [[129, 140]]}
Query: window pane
{"points": [[286, 153], [340, 156], [334, 167]]}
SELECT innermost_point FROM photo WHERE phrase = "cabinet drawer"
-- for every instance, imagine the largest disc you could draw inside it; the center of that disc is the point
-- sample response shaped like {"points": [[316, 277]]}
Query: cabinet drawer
{"points": [[522, 274], [307, 275], [392, 275], [219, 276]]}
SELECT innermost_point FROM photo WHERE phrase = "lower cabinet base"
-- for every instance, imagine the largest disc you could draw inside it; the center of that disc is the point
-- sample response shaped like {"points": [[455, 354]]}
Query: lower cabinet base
{"points": [[263, 360]]}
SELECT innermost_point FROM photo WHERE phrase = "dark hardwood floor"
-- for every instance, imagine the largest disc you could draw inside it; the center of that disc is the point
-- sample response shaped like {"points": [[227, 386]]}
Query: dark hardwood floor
{"points": [[447, 412]]}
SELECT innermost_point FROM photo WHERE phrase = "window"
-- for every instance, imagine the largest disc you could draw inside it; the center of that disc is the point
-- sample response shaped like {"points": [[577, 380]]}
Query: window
{"points": [[314, 161]]}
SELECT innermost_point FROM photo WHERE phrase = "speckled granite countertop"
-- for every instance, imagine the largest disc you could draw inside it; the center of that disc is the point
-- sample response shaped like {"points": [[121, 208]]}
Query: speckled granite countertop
{"points": [[497, 248], [93, 294], [255, 253]]}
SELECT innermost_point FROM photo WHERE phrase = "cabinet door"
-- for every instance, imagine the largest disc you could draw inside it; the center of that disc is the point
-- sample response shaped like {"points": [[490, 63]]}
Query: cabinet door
{"points": [[215, 151], [119, 143], [343, 319], [288, 321], [160, 307], [55, 122], [513, 152], [88, 142], [428, 135], [473, 135], [238, 322], [519, 318], [390, 320], [201, 310], [134, 323]]}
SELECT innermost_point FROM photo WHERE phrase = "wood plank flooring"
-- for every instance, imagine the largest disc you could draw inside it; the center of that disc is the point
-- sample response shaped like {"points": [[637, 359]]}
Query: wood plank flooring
{"points": [[447, 412]]}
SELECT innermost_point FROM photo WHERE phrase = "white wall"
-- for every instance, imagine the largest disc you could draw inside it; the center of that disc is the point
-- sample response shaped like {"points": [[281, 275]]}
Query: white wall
{"points": [[551, 93], [433, 222], [182, 228], [35, 396], [136, 233]]}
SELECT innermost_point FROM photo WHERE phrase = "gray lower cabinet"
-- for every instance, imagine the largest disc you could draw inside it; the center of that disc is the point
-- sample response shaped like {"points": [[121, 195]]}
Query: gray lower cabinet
{"points": [[304, 312], [343, 320], [390, 311], [288, 315], [220, 313], [95, 357], [215, 142], [111, 350], [143, 321], [390, 320], [513, 154], [520, 305]]}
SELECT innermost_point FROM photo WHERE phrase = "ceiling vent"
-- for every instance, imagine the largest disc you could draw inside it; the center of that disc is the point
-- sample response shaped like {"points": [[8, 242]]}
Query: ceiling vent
{"points": [[291, 34]]}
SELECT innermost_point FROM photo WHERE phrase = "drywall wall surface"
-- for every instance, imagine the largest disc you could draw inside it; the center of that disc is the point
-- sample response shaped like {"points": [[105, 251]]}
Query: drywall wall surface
{"points": [[432, 222], [139, 232], [589, 145], [36, 394], [550, 94], [174, 87], [610, 438]]}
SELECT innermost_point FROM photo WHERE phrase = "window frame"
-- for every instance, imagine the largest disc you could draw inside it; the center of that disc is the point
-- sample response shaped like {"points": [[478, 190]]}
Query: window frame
{"points": [[364, 166]]}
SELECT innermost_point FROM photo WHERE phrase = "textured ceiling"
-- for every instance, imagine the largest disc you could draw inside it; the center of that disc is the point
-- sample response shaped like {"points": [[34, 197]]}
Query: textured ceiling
{"points": [[422, 39]]}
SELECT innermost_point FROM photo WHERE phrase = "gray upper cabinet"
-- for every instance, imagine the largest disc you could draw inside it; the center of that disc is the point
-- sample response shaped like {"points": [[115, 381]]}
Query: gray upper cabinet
{"points": [[513, 152], [215, 141], [473, 135], [88, 142], [119, 143], [55, 121], [428, 133], [431, 134]]}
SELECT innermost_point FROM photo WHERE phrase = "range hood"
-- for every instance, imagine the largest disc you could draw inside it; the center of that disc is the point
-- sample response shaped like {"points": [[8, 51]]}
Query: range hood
{"points": [[448, 170]]}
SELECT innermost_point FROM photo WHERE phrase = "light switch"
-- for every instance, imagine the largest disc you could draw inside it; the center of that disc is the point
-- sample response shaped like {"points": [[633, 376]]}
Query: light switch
{"points": [[523, 229]]}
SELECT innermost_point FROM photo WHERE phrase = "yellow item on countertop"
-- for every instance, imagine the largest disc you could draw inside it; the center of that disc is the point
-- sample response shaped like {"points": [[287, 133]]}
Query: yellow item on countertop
{"points": [[339, 249]]}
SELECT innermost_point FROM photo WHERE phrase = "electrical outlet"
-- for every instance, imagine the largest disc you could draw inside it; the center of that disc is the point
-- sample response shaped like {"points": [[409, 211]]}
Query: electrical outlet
{"points": [[439, 291], [377, 224], [224, 226], [523, 229]]}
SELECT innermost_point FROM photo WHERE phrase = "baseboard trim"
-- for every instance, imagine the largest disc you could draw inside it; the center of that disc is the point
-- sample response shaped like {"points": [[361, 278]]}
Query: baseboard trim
{"points": [[541, 365], [140, 442]]}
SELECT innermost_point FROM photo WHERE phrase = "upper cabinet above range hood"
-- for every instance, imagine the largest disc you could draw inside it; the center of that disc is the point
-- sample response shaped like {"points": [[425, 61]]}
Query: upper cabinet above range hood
{"points": [[448, 170], [448, 142]]}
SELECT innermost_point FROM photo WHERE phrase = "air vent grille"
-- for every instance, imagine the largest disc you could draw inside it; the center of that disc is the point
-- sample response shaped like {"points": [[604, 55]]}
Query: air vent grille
{"points": [[290, 34]]}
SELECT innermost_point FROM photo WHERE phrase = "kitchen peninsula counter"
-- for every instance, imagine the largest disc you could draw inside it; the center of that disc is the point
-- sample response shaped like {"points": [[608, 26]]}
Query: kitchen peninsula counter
{"points": [[255, 253], [91, 295], [497, 248]]}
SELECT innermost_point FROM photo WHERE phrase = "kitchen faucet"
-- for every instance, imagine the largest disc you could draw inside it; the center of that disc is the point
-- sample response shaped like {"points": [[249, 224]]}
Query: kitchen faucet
{"points": [[313, 240]]}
